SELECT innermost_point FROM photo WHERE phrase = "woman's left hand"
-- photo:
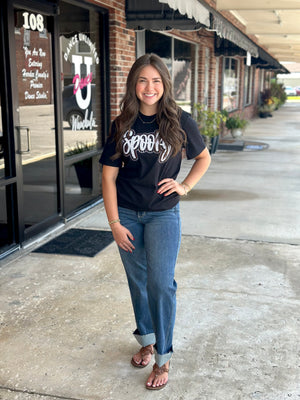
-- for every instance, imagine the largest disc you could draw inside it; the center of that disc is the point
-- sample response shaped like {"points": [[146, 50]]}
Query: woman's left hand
{"points": [[169, 186]]}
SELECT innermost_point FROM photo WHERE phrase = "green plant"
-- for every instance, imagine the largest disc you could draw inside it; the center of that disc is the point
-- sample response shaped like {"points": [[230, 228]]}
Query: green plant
{"points": [[209, 121], [272, 98], [277, 90], [236, 122], [79, 148], [276, 102]]}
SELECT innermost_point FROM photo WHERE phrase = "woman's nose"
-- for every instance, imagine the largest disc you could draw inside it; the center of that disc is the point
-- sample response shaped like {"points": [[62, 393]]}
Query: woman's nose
{"points": [[149, 85]]}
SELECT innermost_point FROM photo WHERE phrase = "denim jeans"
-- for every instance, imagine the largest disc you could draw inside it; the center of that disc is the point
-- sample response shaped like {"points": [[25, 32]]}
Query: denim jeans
{"points": [[150, 272]]}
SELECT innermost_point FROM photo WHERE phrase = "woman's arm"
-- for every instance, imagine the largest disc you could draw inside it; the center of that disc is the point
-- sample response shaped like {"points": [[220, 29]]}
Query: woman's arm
{"points": [[109, 193], [200, 166]]}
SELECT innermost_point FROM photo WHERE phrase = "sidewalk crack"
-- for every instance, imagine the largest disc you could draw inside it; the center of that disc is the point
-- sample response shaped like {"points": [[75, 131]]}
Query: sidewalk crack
{"points": [[25, 391]]}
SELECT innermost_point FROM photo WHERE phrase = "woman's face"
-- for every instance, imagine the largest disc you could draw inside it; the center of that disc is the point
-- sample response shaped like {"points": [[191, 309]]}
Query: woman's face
{"points": [[149, 89]]}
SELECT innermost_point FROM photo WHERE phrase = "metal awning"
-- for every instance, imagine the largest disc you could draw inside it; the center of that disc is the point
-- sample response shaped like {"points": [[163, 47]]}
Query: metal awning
{"points": [[184, 15], [227, 31], [274, 23], [166, 14], [193, 15], [266, 61], [192, 8], [226, 48]]}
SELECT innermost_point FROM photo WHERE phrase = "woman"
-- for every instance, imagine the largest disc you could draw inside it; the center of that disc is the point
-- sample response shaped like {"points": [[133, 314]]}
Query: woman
{"points": [[141, 161]]}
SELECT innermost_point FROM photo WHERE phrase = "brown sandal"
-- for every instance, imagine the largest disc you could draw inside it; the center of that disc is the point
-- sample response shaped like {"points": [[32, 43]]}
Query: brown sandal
{"points": [[144, 351], [158, 371]]}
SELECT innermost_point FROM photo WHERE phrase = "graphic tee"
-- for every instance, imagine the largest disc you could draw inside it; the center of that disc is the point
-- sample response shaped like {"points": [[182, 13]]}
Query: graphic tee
{"points": [[146, 159]]}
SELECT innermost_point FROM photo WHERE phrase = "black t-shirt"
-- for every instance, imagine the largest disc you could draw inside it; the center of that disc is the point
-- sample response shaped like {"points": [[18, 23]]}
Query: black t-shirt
{"points": [[146, 160]]}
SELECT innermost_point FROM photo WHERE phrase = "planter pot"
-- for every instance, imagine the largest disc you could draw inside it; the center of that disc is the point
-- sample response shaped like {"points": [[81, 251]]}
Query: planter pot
{"points": [[211, 143], [236, 133], [84, 174], [214, 142], [265, 114]]}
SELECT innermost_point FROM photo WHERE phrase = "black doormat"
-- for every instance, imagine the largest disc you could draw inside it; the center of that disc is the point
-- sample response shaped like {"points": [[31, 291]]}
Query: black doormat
{"points": [[77, 242]]}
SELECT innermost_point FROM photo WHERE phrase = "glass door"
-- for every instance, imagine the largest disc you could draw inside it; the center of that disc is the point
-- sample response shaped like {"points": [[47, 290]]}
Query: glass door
{"points": [[35, 129], [83, 99]]}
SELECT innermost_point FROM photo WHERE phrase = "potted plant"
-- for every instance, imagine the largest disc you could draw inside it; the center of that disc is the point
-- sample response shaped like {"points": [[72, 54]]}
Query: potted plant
{"points": [[278, 93], [236, 125], [83, 166], [268, 104], [210, 124]]}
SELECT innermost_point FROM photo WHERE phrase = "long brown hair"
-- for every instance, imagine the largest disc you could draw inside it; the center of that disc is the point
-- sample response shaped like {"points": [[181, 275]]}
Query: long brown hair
{"points": [[168, 113]]}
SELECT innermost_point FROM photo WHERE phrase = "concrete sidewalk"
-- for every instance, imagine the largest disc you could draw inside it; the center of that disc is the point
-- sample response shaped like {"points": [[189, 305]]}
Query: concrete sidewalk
{"points": [[66, 321]]}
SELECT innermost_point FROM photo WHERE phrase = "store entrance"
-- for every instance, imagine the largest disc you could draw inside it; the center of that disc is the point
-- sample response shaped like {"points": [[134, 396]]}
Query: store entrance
{"points": [[34, 120], [54, 114]]}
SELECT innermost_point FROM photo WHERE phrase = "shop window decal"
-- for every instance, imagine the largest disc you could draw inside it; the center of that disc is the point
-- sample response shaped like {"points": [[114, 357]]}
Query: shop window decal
{"points": [[33, 22], [33, 56], [82, 79]]}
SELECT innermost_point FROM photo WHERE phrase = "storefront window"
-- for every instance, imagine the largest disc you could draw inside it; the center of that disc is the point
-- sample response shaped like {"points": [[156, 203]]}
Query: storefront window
{"points": [[231, 84], [35, 122], [179, 57], [81, 95], [5, 233], [182, 73], [248, 84], [2, 172]]}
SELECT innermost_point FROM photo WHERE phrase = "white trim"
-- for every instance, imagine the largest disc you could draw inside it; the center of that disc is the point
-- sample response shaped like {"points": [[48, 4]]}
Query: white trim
{"points": [[192, 8]]}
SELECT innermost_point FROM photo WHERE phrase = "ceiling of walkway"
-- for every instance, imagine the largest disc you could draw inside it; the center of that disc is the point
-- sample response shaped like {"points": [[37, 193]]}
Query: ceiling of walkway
{"points": [[276, 24]]}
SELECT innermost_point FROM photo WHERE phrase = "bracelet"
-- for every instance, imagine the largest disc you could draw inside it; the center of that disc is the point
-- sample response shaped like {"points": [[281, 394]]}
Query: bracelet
{"points": [[186, 188], [114, 221]]}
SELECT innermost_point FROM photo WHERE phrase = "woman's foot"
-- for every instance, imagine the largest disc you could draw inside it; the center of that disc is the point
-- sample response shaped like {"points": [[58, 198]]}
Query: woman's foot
{"points": [[158, 377], [143, 357]]}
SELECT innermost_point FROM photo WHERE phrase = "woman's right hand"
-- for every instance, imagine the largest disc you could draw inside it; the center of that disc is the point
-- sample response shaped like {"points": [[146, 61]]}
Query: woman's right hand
{"points": [[122, 237]]}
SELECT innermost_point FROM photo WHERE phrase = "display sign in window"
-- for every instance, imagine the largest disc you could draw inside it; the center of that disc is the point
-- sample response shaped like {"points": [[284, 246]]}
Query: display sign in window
{"points": [[81, 99], [231, 84], [33, 49]]}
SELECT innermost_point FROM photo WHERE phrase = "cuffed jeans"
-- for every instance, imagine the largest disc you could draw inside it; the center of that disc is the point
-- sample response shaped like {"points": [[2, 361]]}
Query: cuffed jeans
{"points": [[150, 272]]}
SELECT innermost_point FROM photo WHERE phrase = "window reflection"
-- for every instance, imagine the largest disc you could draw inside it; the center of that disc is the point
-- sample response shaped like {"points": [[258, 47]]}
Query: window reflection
{"points": [[182, 74], [81, 97], [2, 172], [36, 123], [5, 233], [178, 56], [231, 84]]}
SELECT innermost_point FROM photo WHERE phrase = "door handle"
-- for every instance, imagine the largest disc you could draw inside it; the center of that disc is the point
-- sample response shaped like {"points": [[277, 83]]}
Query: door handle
{"points": [[20, 128]]}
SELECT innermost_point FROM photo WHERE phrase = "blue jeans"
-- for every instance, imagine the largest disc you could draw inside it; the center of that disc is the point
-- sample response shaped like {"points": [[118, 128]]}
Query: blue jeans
{"points": [[150, 272]]}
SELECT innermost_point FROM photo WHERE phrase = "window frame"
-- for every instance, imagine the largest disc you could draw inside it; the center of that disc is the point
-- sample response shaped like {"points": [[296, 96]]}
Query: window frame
{"points": [[237, 82], [141, 49]]}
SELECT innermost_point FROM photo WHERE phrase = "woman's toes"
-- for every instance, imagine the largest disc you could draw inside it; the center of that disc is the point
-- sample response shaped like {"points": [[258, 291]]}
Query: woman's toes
{"points": [[137, 358], [150, 379]]}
